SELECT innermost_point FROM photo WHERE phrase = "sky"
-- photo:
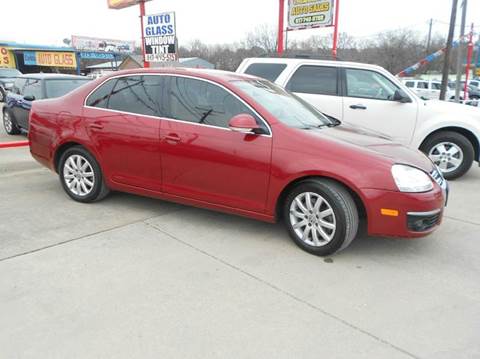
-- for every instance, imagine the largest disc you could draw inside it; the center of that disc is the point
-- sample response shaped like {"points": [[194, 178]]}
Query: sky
{"points": [[47, 22]]}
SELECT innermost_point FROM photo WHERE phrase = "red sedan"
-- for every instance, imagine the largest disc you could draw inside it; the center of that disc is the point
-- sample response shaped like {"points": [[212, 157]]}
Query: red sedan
{"points": [[237, 144]]}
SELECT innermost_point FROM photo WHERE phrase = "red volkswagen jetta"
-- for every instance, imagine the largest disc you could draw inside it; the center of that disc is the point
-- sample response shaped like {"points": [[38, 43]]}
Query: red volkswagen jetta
{"points": [[237, 144]]}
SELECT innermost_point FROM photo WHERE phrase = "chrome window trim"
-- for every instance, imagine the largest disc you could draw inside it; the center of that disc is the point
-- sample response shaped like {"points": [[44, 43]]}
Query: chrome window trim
{"points": [[174, 119]]}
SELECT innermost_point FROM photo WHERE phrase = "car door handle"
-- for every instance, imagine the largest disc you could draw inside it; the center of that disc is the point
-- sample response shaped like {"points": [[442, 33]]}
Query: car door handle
{"points": [[358, 107], [96, 126], [172, 138]]}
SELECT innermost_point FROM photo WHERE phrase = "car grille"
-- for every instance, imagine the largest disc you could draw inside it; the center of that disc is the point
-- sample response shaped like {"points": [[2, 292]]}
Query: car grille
{"points": [[422, 222]]}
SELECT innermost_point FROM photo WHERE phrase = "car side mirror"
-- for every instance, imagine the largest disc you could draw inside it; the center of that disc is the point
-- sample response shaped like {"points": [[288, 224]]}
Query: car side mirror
{"points": [[29, 97], [401, 97], [244, 123]]}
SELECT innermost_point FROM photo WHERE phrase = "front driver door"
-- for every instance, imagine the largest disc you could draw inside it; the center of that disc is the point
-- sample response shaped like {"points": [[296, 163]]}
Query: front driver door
{"points": [[202, 159], [369, 103]]}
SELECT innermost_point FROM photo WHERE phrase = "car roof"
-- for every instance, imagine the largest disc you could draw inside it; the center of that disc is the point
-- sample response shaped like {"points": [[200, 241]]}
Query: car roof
{"points": [[226, 76], [311, 61], [42, 76]]}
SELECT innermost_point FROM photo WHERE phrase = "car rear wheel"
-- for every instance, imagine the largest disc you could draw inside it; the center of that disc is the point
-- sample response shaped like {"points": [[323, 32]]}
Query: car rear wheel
{"points": [[10, 124], [321, 216], [452, 152], [81, 176]]}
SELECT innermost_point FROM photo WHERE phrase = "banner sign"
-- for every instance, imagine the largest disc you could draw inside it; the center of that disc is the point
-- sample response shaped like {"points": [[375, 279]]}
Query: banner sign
{"points": [[50, 59], [305, 14], [160, 37], [6, 58], [120, 4], [97, 56], [93, 44]]}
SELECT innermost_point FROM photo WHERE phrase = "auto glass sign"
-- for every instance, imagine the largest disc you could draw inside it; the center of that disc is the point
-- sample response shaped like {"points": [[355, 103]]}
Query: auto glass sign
{"points": [[304, 14], [160, 37]]}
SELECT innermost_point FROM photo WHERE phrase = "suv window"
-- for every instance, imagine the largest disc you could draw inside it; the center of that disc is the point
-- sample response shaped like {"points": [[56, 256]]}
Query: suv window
{"points": [[99, 97], [33, 87], [422, 85], [436, 86], [320, 80], [369, 84], [267, 71], [18, 86], [410, 84], [200, 101]]}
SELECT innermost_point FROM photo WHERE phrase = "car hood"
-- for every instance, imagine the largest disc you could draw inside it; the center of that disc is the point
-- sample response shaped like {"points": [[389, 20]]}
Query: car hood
{"points": [[449, 108], [376, 144]]}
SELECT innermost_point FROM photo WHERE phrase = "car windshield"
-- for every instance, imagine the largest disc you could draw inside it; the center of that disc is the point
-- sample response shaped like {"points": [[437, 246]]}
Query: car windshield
{"points": [[286, 107], [60, 87], [9, 73]]}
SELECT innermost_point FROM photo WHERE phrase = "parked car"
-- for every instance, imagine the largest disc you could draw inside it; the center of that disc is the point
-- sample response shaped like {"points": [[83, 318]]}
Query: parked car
{"points": [[237, 144], [30, 87], [7, 77], [369, 96]]}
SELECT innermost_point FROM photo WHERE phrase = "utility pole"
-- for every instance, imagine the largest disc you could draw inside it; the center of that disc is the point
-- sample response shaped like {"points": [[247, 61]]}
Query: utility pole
{"points": [[460, 51], [429, 38], [446, 64]]}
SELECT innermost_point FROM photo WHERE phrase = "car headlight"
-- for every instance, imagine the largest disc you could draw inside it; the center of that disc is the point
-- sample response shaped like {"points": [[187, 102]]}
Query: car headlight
{"points": [[411, 179]]}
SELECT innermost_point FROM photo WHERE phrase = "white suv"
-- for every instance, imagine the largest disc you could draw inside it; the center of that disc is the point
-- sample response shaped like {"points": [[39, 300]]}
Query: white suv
{"points": [[429, 89], [369, 96]]}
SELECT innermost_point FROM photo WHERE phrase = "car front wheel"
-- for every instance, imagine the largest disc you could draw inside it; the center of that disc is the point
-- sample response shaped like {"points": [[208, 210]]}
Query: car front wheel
{"points": [[321, 216], [81, 176], [452, 152]]}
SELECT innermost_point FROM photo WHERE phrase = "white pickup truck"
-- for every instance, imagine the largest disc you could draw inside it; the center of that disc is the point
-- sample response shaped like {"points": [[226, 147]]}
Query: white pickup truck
{"points": [[369, 96]]}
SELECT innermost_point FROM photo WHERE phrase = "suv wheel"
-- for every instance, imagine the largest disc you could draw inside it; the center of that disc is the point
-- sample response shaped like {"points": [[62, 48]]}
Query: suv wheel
{"points": [[452, 152], [321, 216], [81, 176], [10, 124]]}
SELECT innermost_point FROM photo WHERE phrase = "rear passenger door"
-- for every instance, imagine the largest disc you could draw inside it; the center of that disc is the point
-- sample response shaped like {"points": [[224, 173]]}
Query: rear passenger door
{"points": [[122, 119], [32, 87], [318, 85]]}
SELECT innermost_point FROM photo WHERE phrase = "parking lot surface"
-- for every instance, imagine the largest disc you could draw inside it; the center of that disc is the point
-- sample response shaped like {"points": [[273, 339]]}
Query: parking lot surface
{"points": [[133, 277]]}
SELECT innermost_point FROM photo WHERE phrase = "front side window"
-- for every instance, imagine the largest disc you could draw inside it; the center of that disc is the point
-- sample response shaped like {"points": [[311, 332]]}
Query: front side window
{"points": [[267, 71], [19, 85], [33, 87], [200, 101], [369, 84], [319, 80], [286, 107]]}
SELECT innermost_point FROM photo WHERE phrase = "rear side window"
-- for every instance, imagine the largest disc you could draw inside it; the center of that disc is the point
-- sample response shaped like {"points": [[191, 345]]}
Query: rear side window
{"points": [[99, 98], [319, 80], [436, 86], [267, 71], [422, 85], [134, 94], [410, 84]]}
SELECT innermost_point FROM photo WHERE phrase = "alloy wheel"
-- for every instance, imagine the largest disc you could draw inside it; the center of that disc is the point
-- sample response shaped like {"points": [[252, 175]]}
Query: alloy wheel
{"points": [[448, 156], [78, 175], [312, 219], [7, 122]]}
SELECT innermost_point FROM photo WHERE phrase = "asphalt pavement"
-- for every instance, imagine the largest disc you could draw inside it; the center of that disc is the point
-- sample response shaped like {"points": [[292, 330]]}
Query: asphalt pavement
{"points": [[134, 277]]}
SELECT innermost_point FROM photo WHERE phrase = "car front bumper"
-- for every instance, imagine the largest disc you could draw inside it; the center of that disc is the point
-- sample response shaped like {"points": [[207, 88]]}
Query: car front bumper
{"points": [[407, 215]]}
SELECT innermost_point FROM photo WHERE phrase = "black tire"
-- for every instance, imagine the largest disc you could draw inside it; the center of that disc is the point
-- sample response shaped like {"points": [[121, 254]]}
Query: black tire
{"points": [[9, 123], [344, 211], [98, 190], [457, 139]]}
